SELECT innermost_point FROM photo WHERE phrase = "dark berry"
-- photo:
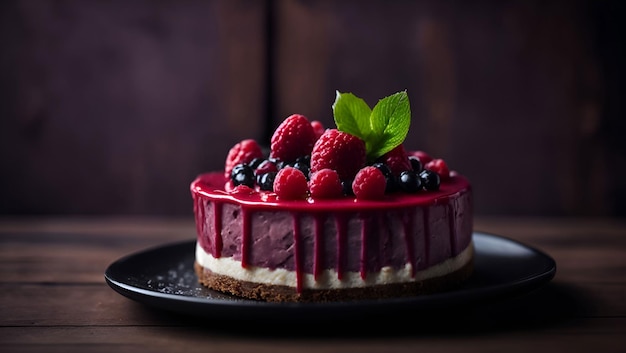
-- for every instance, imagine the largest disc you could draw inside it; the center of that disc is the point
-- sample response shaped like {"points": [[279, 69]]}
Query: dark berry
{"points": [[416, 164], [346, 185], [304, 159], [409, 181], [266, 181], [430, 180], [242, 174], [255, 163], [303, 167], [281, 164]]}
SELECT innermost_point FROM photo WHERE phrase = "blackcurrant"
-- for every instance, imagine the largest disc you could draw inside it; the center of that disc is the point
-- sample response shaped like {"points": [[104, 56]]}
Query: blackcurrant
{"points": [[242, 174], [346, 185], [255, 163], [266, 181], [303, 167], [416, 164], [430, 180], [306, 159], [409, 181]]}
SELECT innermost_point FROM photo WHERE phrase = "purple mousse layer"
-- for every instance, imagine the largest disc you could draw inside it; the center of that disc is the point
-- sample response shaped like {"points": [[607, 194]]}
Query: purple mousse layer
{"points": [[310, 236]]}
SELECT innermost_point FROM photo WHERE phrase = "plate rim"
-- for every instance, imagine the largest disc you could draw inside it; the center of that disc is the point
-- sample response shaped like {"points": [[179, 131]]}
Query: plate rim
{"points": [[200, 306]]}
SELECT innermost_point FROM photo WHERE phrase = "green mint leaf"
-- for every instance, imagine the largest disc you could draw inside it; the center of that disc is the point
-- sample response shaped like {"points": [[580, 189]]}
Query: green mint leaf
{"points": [[390, 121], [382, 129], [352, 115]]}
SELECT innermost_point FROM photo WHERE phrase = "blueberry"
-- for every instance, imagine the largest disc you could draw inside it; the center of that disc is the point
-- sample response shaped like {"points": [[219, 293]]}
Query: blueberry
{"points": [[266, 181], [416, 164], [303, 167], [255, 163], [346, 185], [409, 181], [242, 174], [306, 159], [430, 180]]}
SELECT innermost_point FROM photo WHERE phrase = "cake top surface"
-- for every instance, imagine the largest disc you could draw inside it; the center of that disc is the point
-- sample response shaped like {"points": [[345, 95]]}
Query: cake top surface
{"points": [[211, 185]]}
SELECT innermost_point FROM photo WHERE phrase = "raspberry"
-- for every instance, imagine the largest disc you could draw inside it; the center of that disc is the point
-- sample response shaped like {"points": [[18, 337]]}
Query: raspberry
{"points": [[325, 184], [397, 160], [340, 151], [422, 156], [243, 152], [369, 184], [290, 184], [318, 128], [440, 167], [293, 138]]}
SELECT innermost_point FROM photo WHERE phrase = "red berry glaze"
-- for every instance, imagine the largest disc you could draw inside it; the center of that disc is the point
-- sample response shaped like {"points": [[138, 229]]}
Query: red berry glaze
{"points": [[290, 184], [242, 190], [369, 184], [397, 160], [340, 151], [325, 184], [243, 152], [293, 138], [440, 167]]}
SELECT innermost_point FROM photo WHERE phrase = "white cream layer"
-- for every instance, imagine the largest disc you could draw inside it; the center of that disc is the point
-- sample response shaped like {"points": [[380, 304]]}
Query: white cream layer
{"points": [[328, 279]]}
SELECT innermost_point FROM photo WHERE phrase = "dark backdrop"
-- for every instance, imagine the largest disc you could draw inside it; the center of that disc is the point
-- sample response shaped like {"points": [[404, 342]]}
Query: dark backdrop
{"points": [[113, 107]]}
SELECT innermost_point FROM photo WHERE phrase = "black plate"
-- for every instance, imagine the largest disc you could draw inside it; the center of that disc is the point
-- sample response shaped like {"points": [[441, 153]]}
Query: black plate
{"points": [[163, 277]]}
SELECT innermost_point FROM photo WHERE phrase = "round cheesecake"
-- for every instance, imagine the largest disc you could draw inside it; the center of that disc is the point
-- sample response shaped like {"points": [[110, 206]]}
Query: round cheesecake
{"points": [[254, 245]]}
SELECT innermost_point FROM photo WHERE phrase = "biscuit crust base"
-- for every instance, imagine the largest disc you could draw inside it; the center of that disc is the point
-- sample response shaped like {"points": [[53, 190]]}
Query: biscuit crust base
{"points": [[279, 293]]}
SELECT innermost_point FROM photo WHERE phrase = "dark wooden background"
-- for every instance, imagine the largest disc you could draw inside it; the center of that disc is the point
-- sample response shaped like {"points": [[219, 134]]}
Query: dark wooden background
{"points": [[113, 107]]}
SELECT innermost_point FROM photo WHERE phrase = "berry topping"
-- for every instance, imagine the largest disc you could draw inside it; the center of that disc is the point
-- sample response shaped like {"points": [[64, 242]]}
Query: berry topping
{"points": [[422, 156], [265, 167], [397, 160], [290, 184], [266, 181], [243, 152], [410, 181], [325, 184], [340, 151], [364, 156], [242, 190], [242, 174], [430, 180], [416, 164], [440, 167], [293, 138], [255, 163], [369, 184], [318, 128], [346, 185]]}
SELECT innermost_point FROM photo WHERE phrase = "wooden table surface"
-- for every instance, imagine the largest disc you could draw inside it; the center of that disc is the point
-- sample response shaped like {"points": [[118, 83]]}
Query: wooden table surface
{"points": [[54, 298]]}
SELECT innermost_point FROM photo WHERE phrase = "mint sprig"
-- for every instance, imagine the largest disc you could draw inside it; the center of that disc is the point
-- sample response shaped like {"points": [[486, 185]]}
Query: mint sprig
{"points": [[383, 128]]}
